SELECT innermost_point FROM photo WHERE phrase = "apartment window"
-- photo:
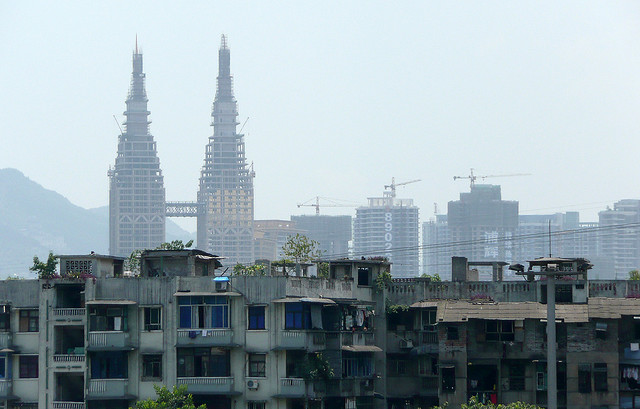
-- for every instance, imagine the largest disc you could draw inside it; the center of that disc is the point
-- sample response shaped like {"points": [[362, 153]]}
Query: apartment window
{"points": [[600, 377], [584, 378], [28, 366], [152, 367], [5, 318], [257, 365], [152, 318], [107, 318], [109, 365], [398, 366], [297, 316], [516, 377], [203, 362], [204, 312], [29, 320], [256, 405], [357, 365], [452, 333], [499, 330], [429, 319], [257, 317], [364, 276], [448, 379]]}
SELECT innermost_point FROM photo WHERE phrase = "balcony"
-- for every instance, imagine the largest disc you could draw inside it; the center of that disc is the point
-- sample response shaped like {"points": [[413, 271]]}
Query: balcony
{"points": [[208, 385], [69, 362], [68, 405], [205, 337], [292, 388], [108, 388], [109, 340], [358, 338], [5, 388], [69, 314], [306, 340], [5, 340]]}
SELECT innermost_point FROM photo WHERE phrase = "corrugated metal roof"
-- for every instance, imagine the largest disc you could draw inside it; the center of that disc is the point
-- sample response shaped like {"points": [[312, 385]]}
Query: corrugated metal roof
{"points": [[361, 348]]}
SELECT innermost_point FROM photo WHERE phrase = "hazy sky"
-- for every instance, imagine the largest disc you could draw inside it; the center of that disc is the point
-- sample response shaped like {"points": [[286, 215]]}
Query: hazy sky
{"points": [[341, 96]]}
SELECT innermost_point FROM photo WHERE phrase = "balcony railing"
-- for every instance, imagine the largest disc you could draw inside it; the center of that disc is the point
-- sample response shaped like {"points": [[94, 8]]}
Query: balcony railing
{"points": [[109, 339], [293, 387], [302, 339], [205, 337], [207, 384], [358, 338], [5, 388], [68, 358], [68, 405], [108, 388], [69, 314]]}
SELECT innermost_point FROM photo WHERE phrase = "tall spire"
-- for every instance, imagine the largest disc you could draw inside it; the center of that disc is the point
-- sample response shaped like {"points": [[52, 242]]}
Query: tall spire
{"points": [[137, 122], [225, 80]]}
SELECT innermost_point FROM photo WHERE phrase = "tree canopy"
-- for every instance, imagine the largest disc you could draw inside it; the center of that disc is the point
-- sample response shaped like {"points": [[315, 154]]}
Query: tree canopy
{"points": [[46, 269], [634, 275], [475, 404], [178, 398], [301, 249]]}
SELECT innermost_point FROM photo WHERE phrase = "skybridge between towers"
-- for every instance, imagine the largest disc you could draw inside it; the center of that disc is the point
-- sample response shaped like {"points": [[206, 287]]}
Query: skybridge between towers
{"points": [[183, 209]]}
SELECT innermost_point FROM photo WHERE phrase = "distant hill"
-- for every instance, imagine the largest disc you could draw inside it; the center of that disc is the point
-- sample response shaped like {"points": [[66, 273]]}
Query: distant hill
{"points": [[34, 220]]}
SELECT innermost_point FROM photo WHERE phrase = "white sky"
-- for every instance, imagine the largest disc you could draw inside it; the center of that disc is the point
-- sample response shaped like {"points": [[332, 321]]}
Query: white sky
{"points": [[341, 96]]}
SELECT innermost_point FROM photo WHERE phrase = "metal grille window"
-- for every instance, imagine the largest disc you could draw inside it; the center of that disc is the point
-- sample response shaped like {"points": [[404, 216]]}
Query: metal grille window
{"points": [[600, 377], [152, 318], [429, 319], [152, 366], [499, 330], [257, 365], [204, 312], [29, 321], [516, 377], [357, 365], [256, 405], [28, 366], [584, 378]]}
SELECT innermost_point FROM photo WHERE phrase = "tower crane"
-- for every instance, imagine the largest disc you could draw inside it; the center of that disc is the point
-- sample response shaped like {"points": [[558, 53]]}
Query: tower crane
{"points": [[316, 203], [473, 177], [393, 185]]}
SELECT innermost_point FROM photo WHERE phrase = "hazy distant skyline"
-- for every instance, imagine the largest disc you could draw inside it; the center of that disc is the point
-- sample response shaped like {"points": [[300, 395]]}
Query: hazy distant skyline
{"points": [[341, 97]]}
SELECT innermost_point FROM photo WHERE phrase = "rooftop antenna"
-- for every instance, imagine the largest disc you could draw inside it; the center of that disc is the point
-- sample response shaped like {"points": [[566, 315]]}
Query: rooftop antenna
{"points": [[118, 123], [136, 43]]}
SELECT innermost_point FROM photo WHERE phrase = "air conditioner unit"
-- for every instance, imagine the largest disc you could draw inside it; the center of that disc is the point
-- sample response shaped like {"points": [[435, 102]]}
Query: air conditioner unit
{"points": [[252, 384], [221, 286], [406, 343]]}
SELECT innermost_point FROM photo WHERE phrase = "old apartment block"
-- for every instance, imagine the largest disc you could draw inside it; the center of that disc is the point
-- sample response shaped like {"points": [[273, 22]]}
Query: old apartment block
{"points": [[289, 342]]}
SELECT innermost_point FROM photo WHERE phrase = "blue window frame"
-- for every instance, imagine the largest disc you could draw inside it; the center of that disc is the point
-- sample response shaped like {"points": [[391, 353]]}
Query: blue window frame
{"points": [[203, 312], [297, 316], [257, 317]]}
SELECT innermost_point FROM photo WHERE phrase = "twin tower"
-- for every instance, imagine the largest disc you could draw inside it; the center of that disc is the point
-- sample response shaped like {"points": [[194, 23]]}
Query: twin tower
{"points": [[224, 206]]}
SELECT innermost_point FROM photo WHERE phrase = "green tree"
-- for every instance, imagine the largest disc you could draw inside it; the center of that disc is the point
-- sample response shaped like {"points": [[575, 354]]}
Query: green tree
{"points": [[383, 280], [254, 270], [434, 278], [300, 249], [634, 275], [475, 404], [132, 263], [167, 399], [175, 245], [323, 270], [46, 269]]}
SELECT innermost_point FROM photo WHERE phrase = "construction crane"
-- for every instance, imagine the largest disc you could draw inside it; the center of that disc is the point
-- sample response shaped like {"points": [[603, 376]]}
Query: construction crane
{"points": [[472, 177], [317, 203], [393, 185]]}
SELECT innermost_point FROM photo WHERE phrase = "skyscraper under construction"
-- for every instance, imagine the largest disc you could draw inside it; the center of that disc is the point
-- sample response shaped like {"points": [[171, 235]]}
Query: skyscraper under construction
{"points": [[225, 196], [136, 186]]}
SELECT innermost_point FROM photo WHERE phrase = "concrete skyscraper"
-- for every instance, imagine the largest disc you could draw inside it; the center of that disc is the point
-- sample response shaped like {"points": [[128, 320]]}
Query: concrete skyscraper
{"points": [[389, 227], [136, 186], [620, 237], [225, 196]]}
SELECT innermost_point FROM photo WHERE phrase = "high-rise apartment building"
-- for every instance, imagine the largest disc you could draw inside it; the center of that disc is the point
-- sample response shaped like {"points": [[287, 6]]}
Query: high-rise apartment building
{"points": [[270, 236], [136, 188], [225, 223], [482, 225], [332, 233], [389, 227], [436, 251], [620, 236]]}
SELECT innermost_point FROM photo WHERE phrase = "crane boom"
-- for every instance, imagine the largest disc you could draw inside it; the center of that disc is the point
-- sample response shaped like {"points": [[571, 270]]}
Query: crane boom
{"points": [[316, 204], [393, 185], [473, 177]]}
